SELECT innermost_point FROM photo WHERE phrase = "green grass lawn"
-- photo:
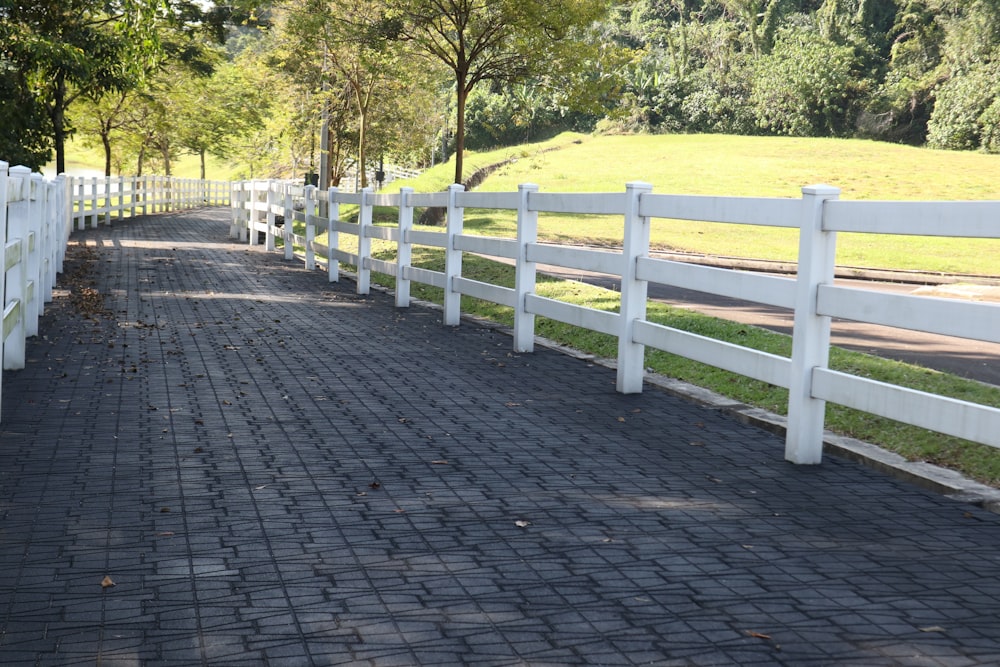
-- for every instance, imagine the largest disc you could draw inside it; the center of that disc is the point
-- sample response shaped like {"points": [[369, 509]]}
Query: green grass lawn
{"points": [[743, 166]]}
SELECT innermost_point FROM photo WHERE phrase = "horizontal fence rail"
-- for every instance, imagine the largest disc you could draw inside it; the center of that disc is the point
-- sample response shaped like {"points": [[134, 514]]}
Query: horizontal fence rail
{"points": [[268, 211], [100, 200]]}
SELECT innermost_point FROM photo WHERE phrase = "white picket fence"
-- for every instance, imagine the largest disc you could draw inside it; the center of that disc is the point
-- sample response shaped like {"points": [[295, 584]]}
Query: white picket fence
{"points": [[100, 200], [818, 216], [34, 222]]}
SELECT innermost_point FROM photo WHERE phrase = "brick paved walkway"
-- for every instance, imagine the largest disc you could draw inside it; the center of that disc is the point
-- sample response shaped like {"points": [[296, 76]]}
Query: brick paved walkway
{"points": [[274, 471]]}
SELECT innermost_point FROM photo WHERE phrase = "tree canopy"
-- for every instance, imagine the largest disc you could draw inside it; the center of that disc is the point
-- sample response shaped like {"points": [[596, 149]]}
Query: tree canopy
{"points": [[151, 79]]}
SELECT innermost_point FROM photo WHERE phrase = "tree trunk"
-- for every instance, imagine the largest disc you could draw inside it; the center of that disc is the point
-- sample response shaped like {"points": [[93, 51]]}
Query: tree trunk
{"points": [[362, 158], [106, 141], [58, 115], [461, 95], [202, 154]]}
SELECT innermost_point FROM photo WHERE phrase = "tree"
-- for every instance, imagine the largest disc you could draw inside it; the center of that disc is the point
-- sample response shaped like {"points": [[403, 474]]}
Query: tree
{"points": [[100, 118], [965, 79], [808, 86], [69, 48], [497, 40], [354, 43], [760, 18], [25, 129]]}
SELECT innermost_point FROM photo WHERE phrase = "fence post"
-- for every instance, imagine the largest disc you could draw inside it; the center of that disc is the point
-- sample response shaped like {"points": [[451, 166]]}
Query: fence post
{"points": [[811, 331], [235, 206], [524, 271], [121, 197], [18, 210], [51, 233], [77, 202], [3, 273], [33, 258], [332, 235], [365, 241], [252, 194], [404, 249], [452, 257], [107, 201], [65, 208], [631, 355], [310, 194], [93, 201], [289, 224]]}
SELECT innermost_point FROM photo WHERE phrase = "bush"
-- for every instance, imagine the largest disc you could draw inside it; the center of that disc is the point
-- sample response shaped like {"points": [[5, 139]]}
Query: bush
{"points": [[966, 113], [807, 86]]}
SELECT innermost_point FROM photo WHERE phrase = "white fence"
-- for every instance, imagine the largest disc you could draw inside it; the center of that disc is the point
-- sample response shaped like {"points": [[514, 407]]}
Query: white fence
{"points": [[96, 200], [34, 223], [818, 216]]}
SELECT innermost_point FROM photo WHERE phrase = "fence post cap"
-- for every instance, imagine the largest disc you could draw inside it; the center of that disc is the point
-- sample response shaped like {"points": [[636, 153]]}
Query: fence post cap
{"points": [[821, 189]]}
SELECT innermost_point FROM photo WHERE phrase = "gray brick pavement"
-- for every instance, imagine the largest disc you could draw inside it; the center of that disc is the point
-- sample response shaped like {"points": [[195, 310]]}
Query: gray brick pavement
{"points": [[275, 471]]}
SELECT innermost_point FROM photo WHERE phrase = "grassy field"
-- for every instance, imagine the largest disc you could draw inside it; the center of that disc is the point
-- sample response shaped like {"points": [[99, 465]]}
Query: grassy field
{"points": [[744, 166], [82, 160]]}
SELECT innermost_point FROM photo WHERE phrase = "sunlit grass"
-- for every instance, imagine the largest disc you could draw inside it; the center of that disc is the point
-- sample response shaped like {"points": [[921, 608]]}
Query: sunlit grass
{"points": [[750, 167]]}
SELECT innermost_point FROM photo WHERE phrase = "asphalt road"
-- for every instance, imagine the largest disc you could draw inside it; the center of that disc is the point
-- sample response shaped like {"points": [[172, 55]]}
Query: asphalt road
{"points": [[965, 358]]}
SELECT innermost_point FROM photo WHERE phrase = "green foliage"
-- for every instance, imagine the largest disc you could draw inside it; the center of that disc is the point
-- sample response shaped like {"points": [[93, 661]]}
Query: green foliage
{"points": [[68, 48], [966, 111], [808, 86], [502, 41], [25, 128]]}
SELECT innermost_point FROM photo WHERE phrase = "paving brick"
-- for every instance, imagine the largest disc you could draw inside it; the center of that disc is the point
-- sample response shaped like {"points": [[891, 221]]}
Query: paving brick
{"points": [[256, 457]]}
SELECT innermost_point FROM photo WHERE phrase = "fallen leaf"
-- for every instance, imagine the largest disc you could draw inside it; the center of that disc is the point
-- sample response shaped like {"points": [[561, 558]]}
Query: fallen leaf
{"points": [[399, 510], [512, 404], [107, 582], [166, 533], [374, 485], [522, 524], [758, 635], [441, 462], [621, 419], [933, 628], [164, 510]]}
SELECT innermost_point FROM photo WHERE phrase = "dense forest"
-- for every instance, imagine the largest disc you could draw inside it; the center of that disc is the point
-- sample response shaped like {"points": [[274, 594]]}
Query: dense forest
{"points": [[255, 81]]}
